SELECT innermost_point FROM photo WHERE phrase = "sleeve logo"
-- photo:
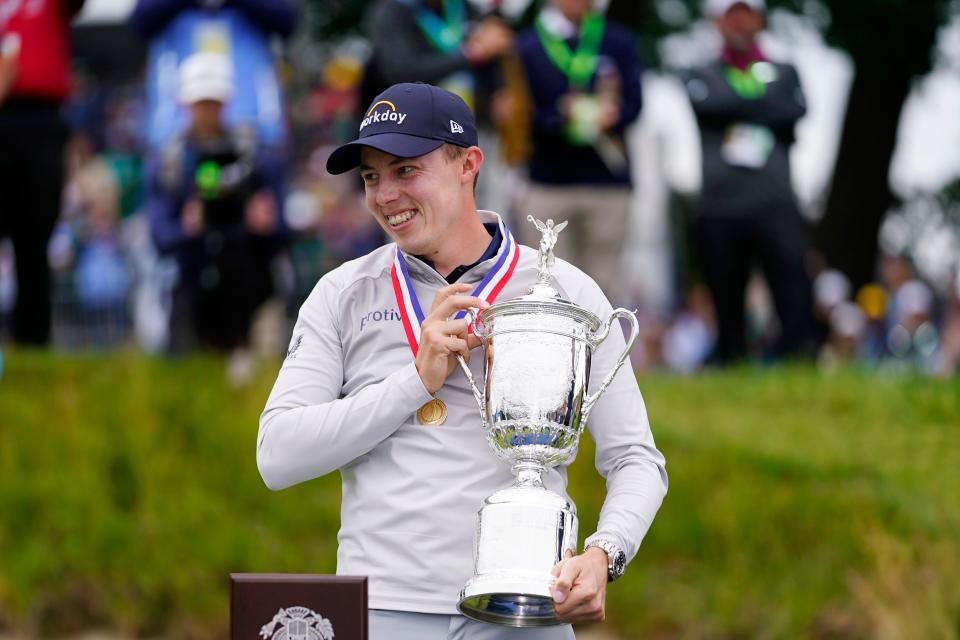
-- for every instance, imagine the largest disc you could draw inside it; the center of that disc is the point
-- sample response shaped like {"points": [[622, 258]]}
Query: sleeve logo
{"points": [[294, 347]]}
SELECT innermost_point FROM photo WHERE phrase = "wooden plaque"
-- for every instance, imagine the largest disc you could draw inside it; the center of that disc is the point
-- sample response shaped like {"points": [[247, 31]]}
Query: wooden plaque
{"points": [[289, 606]]}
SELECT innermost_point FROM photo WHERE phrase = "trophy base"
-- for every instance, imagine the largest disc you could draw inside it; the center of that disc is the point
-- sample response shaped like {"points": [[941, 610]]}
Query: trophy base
{"points": [[497, 605], [523, 531]]}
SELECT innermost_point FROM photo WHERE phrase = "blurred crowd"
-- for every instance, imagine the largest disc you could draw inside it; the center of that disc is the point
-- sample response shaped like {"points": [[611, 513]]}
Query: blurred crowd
{"points": [[192, 210]]}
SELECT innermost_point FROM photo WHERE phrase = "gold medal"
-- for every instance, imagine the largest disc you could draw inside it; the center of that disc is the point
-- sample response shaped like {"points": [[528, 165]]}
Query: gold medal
{"points": [[432, 413]]}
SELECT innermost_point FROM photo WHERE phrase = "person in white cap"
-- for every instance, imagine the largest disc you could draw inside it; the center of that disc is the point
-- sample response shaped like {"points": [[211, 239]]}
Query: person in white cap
{"points": [[206, 85], [747, 107], [214, 205]]}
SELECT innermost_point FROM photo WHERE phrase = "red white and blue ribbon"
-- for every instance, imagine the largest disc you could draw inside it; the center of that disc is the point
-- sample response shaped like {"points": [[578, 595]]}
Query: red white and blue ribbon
{"points": [[411, 313]]}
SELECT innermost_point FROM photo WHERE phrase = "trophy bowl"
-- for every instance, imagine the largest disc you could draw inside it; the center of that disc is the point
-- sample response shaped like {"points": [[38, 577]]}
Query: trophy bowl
{"points": [[534, 405], [537, 363]]}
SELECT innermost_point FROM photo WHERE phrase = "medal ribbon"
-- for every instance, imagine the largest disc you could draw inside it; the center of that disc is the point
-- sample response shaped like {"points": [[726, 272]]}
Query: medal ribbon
{"points": [[578, 66], [411, 313]]}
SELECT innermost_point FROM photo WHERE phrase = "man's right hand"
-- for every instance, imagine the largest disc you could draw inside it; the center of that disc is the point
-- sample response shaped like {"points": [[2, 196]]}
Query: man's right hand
{"points": [[442, 339]]}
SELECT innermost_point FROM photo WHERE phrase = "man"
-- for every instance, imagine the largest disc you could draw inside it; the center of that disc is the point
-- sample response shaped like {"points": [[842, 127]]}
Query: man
{"points": [[583, 73], [747, 107], [34, 83], [212, 204], [357, 371]]}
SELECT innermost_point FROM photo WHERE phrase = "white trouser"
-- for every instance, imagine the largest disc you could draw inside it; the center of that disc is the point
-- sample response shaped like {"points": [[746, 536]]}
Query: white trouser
{"points": [[406, 625]]}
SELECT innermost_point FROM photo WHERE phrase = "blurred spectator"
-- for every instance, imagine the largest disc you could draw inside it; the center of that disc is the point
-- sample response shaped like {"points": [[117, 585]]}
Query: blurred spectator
{"points": [[101, 275], [243, 32], [442, 42], [872, 300], [211, 204], [746, 107], [238, 29], [830, 288], [34, 82], [949, 360], [912, 338], [846, 322], [689, 340], [583, 73], [448, 44]]}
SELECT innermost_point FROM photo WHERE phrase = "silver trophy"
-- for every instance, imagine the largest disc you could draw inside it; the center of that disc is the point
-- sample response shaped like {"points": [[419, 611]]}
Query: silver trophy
{"points": [[534, 405]]}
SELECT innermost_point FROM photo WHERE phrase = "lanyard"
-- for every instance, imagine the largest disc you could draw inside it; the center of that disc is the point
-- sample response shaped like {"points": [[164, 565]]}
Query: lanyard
{"points": [[745, 83], [411, 313], [578, 66], [445, 35]]}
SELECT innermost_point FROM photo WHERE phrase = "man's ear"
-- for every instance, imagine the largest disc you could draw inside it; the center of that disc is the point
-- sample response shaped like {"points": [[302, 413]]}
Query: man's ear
{"points": [[472, 161]]}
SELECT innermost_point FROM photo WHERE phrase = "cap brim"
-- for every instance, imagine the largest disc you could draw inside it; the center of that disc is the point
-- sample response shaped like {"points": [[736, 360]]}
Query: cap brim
{"points": [[347, 157]]}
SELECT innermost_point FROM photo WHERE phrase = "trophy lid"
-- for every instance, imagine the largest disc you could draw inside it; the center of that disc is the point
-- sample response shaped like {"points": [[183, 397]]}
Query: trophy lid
{"points": [[543, 290], [543, 297]]}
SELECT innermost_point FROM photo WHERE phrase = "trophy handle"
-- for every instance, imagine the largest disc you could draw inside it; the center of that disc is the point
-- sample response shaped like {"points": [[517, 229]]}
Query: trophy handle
{"points": [[477, 393], [600, 337]]}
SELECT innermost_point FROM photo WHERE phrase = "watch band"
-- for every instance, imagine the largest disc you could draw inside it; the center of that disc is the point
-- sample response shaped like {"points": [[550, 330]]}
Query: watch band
{"points": [[616, 558]]}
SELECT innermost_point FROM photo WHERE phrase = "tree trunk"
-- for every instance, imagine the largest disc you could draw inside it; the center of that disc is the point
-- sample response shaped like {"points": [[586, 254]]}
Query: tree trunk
{"points": [[860, 193], [890, 43]]}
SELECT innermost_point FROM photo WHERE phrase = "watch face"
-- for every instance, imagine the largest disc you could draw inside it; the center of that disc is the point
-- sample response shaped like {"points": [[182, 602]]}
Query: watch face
{"points": [[619, 563]]}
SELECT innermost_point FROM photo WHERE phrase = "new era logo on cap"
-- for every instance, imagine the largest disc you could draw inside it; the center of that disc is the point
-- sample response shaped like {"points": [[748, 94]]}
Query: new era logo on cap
{"points": [[409, 120]]}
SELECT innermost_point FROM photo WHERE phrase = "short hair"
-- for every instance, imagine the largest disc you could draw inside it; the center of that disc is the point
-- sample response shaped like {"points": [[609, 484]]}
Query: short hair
{"points": [[455, 152]]}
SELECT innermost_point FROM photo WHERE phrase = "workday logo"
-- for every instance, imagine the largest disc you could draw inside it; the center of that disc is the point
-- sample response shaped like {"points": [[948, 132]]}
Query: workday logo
{"points": [[388, 114]]}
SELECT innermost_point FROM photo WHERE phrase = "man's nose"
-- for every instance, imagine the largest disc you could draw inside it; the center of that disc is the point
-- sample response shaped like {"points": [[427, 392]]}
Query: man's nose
{"points": [[386, 191]]}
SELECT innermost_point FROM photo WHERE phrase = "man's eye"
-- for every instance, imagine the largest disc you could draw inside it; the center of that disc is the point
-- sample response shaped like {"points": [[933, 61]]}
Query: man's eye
{"points": [[368, 177], [405, 170]]}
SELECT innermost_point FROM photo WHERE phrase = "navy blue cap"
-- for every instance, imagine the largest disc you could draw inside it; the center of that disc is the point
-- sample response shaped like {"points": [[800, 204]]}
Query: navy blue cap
{"points": [[409, 120]]}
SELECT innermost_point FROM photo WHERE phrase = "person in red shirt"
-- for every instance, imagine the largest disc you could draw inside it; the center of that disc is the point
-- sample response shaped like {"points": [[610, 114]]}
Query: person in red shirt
{"points": [[34, 82]]}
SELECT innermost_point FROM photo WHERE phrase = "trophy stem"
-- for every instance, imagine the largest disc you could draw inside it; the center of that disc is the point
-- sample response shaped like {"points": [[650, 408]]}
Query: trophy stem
{"points": [[528, 473]]}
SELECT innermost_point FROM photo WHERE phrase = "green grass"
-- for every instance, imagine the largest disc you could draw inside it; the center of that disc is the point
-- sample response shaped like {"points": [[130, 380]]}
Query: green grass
{"points": [[800, 504]]}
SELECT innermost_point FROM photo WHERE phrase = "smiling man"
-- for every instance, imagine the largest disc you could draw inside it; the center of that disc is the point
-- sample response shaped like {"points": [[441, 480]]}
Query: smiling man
{"points": [[383, 402]]}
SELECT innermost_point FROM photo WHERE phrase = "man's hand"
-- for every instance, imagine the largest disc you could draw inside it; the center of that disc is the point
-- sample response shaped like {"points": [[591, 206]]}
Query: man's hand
{"points": [[441, 339], [490, 39], [260, 214], [580, 591], [191, 218], [608, 113]]}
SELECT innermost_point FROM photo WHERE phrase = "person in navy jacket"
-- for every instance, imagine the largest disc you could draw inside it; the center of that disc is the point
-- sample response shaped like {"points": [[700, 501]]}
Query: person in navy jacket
{"points": [[583, 73]]}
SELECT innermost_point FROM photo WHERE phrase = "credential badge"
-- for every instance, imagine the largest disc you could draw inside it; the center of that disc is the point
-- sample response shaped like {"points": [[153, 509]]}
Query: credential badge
{"points": [[297, 623]]}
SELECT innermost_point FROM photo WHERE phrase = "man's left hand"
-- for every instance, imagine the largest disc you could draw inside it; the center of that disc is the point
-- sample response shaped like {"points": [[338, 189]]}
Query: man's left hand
{"points": [[580, 592]]}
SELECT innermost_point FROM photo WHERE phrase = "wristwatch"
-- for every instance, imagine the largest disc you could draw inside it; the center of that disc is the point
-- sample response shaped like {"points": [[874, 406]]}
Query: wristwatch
{"points": [[616, 558]]}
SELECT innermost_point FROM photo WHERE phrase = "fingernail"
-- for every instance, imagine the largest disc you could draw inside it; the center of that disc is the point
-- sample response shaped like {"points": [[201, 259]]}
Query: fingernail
{"points": [[559, 595]]}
